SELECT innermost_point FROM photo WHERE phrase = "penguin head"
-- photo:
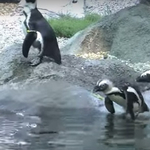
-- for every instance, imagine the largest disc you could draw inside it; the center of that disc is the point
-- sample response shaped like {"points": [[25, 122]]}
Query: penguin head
{"points": [[30, 1], [74, 1], [103, 86], [144, 77], [29, 5]]}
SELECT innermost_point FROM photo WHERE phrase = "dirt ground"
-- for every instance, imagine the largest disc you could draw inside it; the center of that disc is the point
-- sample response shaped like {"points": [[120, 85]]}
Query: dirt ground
{"points": [[7, 9]]}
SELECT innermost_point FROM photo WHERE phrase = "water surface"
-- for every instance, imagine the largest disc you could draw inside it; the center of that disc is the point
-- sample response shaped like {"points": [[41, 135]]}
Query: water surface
{"points": [[33, 120]]}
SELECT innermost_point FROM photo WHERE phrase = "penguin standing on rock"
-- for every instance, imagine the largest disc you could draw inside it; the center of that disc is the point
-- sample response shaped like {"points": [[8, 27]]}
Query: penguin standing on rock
{"points": [[144, 77], [39, 34], [113, 94], [135, 101]]}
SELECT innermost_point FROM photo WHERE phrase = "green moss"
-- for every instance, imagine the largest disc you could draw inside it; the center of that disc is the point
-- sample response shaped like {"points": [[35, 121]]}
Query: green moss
{"points": [[67, 26], [98, 96]]}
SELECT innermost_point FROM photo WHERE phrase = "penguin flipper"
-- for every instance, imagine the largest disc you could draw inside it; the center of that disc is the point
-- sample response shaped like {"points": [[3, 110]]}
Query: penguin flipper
{"points": [[28, 41], [145, 107], [109, 105], [130, 111], [132, 115]]}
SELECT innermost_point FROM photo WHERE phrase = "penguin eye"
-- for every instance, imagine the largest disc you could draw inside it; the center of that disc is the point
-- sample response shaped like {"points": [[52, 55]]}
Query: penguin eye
{"points": [[104, 86]]}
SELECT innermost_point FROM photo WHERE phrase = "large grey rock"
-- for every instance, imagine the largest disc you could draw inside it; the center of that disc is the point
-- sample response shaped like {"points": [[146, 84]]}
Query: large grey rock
{"points": [[146, 2], [53, 94], [131, 41], [75, 70], [125, 34]]}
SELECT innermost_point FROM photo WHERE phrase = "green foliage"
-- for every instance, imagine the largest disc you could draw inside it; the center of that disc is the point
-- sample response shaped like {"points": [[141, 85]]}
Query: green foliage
{"points": [[67, 26]]}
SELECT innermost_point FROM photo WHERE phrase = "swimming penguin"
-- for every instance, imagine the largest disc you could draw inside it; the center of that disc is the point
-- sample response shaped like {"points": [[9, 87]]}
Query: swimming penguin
{"points": [[39, 34], [135, 101], [113, 94], [144, 77]]}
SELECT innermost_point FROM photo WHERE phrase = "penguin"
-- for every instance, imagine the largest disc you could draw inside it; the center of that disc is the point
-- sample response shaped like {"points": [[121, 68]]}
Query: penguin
{"points": [[135, 101], [74, 1], [39, 34], [113, 94], [144, 77]]}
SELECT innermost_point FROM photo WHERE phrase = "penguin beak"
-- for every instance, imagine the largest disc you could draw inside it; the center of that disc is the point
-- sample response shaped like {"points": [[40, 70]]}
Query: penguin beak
{"points": [[96, 89], [100, 88]]}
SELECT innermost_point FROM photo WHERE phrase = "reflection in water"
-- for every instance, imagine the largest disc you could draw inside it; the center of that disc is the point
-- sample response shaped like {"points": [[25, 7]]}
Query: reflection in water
{"points": [[126, 133], [72, 129]]}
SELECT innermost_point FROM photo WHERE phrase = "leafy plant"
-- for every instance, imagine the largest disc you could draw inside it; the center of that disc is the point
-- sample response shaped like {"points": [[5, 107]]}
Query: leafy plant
{"points": [[67, 26]]}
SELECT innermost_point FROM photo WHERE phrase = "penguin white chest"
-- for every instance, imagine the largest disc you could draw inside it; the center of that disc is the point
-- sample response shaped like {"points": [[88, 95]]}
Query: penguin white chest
{"points": [[136, 107], [118, 99], [28, 19], [24, 28]]}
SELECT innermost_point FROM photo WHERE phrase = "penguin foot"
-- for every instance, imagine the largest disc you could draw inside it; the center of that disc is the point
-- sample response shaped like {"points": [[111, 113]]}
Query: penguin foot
{"points": [[137, 114], [124, 115], [35, 61]]}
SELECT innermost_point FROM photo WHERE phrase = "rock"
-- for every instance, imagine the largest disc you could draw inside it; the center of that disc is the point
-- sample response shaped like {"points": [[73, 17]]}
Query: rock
{"points": [[84, 41], [146, 2], [15, 70], [46, 94], [75, 70], [107, 7], [125, 35], [132, 34]]}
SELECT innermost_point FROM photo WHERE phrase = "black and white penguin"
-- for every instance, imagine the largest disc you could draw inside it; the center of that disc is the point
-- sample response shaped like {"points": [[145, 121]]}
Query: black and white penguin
{"points": [[144, 77], [74, 1], [39, 34], [135, 100], [113, 94]]}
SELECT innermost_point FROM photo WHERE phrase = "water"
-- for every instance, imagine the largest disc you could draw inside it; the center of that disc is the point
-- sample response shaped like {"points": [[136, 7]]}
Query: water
{"points": [[29, 120], [71, 129]]}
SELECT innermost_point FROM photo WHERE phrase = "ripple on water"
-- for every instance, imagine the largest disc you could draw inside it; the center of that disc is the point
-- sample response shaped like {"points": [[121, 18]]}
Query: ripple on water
{"points": [[14, 128], [119, 132], [65, 142]]}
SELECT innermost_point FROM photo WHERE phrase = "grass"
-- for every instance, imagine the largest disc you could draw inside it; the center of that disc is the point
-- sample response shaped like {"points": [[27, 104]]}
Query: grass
{"points": [[67, 26]]}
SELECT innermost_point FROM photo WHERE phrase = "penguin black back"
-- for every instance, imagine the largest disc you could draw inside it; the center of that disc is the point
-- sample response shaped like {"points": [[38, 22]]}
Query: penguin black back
{"points": [[39, 23]]}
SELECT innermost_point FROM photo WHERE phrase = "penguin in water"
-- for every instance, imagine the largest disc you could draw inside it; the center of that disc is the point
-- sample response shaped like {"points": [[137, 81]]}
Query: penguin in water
{"points": [[135, 101], [113, 94], [144, 77], [39, 34]]}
